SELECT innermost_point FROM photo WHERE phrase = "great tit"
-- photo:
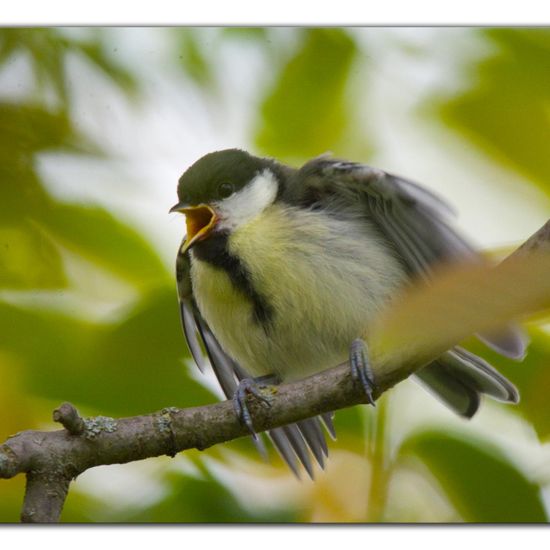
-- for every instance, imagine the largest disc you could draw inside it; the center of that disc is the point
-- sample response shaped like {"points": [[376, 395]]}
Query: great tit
{"points": [[283, 270]]}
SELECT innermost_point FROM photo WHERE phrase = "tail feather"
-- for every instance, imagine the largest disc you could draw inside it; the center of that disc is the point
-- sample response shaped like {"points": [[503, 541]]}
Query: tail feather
{"points": [[440, 380], [459, 377], [510, 342]]}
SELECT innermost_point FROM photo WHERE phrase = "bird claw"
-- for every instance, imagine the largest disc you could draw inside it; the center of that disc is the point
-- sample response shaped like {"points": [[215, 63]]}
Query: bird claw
{"points": [[251, 386], [361, 369]]}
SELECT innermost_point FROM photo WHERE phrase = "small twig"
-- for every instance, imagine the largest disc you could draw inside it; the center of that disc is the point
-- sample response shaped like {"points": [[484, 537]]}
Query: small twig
{"points": [[67, 415]]}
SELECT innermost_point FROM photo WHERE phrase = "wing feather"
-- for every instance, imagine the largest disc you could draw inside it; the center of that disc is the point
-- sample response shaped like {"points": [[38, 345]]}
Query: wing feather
{"points": [[416, 223], [189, 326]]}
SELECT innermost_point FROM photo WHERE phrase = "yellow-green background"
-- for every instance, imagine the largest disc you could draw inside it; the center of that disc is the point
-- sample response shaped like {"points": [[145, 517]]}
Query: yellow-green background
{"points": [[96, 125]]}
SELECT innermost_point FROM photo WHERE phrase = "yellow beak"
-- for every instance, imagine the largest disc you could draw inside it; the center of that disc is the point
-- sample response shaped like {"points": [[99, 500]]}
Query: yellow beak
{"points": [[200, 220]]}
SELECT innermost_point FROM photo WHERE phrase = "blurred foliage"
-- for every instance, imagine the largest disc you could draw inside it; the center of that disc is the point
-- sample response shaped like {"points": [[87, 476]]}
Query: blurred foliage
{"points": [[306, 112], [505, 107], [94, 364], [196, 63], [190, 498], [47, 50], [199, 53], [134, 360], [442, 310], [202, 499], [531, 376], [480, 480]]}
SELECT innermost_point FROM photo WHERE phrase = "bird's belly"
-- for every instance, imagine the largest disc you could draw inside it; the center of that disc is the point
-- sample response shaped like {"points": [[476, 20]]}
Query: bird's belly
{"points": [[323, 292]]}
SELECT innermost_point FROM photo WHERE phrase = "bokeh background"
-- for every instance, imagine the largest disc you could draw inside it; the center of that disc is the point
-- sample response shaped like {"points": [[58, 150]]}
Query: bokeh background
{"points": [[97, 124]]}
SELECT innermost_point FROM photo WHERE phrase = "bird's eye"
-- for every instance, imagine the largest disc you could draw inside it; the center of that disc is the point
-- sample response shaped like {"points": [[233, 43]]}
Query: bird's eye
{"points": [[225, 190]]}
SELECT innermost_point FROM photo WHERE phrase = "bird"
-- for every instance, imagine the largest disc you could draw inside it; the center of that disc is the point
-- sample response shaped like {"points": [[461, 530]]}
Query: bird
{"points": [[283, 270]]}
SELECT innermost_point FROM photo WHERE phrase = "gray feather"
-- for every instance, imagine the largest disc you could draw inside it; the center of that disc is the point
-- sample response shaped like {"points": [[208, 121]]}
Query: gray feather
{"points": [[282, 444], [510, 342], [313, 436], [478, 374], [218, 359], [300, 448], [190, 333], [458, 378], [440, 380]]}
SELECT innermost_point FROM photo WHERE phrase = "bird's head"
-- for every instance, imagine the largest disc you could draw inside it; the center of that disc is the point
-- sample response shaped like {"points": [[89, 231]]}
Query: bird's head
{"points": [[223, 190]]}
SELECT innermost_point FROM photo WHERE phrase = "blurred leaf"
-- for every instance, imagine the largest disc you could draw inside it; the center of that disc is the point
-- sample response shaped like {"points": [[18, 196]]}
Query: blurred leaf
{"points": [[119, 369], [138, 363], [459, 301], [506, 108], [29, 259], [46, 49], [95, 51], [477, 478], [28, 129], [49, 347], [531, 376], [192, 56], [97, 235], [306, 112], [204, 500], [351, 421], [82, 508], [259, 34], [22, 194], [11, 499], [340, 493]]}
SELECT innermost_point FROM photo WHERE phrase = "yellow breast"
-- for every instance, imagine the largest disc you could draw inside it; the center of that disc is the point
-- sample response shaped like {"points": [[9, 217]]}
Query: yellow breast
{"points": [[324, 278]]}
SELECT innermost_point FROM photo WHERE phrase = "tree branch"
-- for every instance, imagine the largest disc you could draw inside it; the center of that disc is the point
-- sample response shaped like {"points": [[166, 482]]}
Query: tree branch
{"points": [[51, 460]]}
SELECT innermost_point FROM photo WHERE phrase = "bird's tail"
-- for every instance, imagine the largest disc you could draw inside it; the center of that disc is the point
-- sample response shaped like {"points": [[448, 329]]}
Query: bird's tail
{"points": [[459, 377]]}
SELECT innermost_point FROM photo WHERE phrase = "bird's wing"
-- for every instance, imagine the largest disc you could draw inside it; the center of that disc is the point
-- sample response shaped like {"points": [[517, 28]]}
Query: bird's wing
{"points": [[291, 441], [413, 219], [416, 223]]}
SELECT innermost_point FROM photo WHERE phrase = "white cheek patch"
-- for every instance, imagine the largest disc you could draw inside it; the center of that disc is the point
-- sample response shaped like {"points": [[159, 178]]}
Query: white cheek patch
{"points": [[249, 202]]}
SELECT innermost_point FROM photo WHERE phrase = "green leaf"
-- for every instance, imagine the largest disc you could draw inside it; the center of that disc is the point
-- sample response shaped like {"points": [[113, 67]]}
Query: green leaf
{"points": [[28, 129], [306, 113], [10, 503], [29, 259], [478, 479], [531, 376], [505, 110], [95, 51], [257, 34], [123, 368], [193, 58], [97, 235], [22, 194], [138, 365], [46, 49], [204, 500]]}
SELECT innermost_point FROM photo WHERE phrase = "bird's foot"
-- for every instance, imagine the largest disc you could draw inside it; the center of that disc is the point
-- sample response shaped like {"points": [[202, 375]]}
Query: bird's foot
{"points": [[361, 369], [261, 388]]}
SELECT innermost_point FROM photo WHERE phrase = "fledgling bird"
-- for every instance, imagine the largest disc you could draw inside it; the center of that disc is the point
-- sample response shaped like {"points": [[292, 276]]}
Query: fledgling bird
{"points": [[283, 270]]}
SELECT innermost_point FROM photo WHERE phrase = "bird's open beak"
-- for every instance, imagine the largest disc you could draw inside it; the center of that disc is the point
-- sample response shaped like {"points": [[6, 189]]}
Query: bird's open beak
{"points": [[200, 221]]}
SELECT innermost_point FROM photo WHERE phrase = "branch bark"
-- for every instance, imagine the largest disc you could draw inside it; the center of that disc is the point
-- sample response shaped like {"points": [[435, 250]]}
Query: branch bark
{"points": [[51, 460]]}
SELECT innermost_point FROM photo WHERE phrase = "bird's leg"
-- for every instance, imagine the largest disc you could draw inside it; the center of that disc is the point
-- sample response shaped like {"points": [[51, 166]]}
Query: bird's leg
{"points": [[256, 387], [360, 367]]}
